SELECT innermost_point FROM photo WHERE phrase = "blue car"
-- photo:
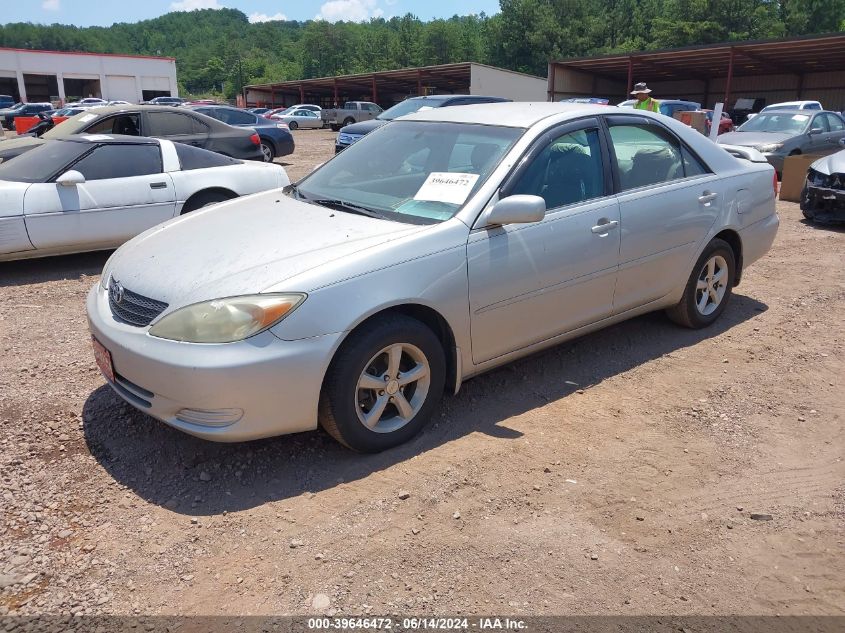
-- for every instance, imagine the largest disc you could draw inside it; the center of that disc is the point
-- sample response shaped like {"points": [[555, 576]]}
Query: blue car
{"points": [[276, 139]]}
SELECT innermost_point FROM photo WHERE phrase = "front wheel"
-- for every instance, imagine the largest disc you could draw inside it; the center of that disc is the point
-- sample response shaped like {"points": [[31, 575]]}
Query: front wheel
{"points": [[383, 385], [709, 287], [348, 121]]}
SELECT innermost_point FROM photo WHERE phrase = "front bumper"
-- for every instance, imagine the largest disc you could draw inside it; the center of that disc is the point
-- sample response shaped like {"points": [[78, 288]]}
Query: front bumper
{"points": [[260, 387], [823, 204]]}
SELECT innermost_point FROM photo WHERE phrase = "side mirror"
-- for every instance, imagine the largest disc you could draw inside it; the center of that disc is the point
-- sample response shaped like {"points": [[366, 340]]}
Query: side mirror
{"points": [[517, 210], [816, 130], [70, 179]]}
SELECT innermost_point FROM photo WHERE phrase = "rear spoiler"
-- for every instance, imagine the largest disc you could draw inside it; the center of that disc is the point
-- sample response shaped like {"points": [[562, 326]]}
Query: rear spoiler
{"points": [[745, 153]]}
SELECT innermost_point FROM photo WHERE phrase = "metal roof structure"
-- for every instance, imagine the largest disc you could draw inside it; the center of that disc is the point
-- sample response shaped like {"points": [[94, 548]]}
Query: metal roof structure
{"points": [[797, 56]]}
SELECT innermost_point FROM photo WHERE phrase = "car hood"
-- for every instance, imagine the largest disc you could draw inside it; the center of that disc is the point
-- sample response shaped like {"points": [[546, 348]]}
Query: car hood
{"points": [[833, 164], [16, 146], [364, 127], [753, 139], [242, 247], [11, 199]]}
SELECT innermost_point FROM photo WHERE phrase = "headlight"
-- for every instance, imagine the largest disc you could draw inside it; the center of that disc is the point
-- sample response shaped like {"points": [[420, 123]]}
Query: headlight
{"points": [[770, 147], [226, 320]]}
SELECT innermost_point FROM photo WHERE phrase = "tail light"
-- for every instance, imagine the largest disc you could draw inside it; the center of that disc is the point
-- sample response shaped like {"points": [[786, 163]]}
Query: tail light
{"points": [[256, 140]]}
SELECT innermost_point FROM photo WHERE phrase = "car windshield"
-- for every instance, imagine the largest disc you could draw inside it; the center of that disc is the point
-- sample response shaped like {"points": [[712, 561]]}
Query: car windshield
{"points": [[73, 125], [409, 106], [43, 162], [776, 122], [418, 172]]}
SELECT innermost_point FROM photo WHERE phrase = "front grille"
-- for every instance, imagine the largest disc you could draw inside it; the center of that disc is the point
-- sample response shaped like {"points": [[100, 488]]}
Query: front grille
{"points": [[131, 307]]}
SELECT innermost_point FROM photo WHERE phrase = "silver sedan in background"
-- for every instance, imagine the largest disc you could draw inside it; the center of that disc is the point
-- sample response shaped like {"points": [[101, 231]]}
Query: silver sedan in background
{"points": [[781, 133], [440, 246], [300, 118]]}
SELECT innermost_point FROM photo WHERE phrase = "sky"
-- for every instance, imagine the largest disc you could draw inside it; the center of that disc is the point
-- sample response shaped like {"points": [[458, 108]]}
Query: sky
{"points": [[100, 13]]}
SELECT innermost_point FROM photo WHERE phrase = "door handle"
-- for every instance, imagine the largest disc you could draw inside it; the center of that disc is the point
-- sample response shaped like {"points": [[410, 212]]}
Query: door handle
{"points": [[707, 197], [158, 185], [604, 226]]}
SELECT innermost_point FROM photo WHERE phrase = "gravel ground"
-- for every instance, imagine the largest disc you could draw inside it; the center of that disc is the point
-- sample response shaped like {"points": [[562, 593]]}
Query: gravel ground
{"points": [[647, 469]]}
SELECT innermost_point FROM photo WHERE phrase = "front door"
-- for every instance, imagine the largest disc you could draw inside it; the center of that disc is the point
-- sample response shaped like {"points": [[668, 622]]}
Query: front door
{"points": [[531, 282], [125, 193]]}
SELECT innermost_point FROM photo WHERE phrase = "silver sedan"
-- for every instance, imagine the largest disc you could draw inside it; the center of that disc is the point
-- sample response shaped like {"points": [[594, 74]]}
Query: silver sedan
{"points": [[440, 246], [301, 118]]}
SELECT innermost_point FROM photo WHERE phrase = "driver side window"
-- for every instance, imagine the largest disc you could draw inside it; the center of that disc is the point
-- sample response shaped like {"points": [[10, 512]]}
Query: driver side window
{"points": [[569, 170]]}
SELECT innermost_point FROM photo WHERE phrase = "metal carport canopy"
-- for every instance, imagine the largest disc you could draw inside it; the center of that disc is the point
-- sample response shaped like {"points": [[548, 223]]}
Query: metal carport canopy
{"points": [[796, 56]]}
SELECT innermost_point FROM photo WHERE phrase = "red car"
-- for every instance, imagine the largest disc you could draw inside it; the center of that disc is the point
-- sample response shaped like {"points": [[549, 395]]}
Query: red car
{"points": [[725, 125]]}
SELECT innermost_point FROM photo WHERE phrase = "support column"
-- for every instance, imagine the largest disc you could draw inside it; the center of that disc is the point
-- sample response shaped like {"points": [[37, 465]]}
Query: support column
{"points": [[630, 75], [272, 97], [21, 87], [801, 86], [730, 79], [375, 90], [336, 104], [551, 86], [301, 93], [60, 81], [705, 105], [419, 83]]}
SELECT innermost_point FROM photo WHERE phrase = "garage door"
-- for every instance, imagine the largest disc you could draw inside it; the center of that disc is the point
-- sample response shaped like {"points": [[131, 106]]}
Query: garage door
{"points": [[120, 88]]}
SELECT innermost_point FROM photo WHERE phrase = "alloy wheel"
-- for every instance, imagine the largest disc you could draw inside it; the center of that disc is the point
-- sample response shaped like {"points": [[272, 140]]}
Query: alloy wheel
{"points": [[392, 388], [712, 285]]}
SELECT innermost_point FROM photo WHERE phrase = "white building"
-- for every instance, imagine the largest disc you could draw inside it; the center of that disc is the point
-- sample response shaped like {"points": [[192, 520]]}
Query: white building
{"points": [[68, 76]]}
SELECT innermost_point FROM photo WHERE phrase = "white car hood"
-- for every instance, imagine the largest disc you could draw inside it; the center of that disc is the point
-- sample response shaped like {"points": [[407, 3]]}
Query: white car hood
{"points": [[241, 247], [832, 164], [11, 198]]}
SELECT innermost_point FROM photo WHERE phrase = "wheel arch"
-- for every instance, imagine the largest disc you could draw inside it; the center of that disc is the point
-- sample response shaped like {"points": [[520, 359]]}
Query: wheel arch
{"points": [[735, 241], [429, 317], [197, 194]]}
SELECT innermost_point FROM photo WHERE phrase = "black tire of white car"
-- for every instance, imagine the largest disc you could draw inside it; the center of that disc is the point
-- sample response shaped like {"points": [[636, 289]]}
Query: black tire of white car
{"points": [[293, 125], [686, 312], [339, 400]]}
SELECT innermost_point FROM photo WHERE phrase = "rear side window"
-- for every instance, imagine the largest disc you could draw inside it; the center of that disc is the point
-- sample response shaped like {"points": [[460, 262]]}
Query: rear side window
{"points": [[169, 124], [692, 165], [120, 161], [236, 117], [645, 155], [195, 158], [836, 124]]}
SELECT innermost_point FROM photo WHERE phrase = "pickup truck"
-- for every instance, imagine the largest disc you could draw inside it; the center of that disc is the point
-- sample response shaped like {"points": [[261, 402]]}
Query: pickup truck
{"points": [[351, 112]]}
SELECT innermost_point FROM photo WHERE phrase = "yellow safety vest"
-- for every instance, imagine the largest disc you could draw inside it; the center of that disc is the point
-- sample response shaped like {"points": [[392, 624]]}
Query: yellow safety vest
{"points": [[648, 104]]}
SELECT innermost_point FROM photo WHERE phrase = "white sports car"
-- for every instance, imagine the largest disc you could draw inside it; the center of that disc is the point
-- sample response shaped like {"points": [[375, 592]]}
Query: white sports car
{"points": [[94, 192]]}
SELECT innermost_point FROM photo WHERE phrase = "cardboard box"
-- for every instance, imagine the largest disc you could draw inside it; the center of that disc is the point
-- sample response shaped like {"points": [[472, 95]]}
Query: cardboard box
{"points": [[794, 174], [696, 119]]}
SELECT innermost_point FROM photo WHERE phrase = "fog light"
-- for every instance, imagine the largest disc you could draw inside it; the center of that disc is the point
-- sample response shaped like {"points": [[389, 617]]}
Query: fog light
{"points": [[210, 417]]}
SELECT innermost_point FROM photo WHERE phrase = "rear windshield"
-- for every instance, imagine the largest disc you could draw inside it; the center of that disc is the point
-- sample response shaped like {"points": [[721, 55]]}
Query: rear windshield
{"points": [[41, 163], [196, 158], [408, 107]]}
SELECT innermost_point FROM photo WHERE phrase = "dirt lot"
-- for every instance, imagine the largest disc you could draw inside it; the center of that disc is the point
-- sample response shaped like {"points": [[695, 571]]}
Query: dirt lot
{"points": [[616, 474]]}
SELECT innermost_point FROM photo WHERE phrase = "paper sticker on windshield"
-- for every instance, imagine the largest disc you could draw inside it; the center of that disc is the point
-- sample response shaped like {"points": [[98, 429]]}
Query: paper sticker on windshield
{"points": [[800, 117], [87, 117], [446, 187], [424, 108], [97, 137]]}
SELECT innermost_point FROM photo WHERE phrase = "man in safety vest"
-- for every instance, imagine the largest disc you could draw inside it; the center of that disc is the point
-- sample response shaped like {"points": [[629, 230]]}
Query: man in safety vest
{"points": [[644, 101]]}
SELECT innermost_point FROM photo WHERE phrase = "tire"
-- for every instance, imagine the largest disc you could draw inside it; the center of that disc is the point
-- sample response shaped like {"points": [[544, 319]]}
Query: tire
{"points": [[293, 125], [205, 199], [807, 212], [365, 356], [334, 127], [268, 150], [348, 121], [689, 312]]}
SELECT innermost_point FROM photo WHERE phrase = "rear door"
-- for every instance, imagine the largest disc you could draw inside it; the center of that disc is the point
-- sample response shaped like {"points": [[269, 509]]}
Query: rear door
{"points": [[125, 193], [836, 127], [668, 200]]}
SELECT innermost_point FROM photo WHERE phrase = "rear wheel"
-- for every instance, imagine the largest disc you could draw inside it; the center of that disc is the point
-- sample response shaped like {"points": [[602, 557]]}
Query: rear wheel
{"points": [[709, 287], [348, 121], [205, 199], [293, 125], [267, 151], [383, 385]]}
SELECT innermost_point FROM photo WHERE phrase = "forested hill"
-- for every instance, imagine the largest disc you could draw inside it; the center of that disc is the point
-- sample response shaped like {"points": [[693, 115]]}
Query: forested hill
{"points": [[220, 49]]}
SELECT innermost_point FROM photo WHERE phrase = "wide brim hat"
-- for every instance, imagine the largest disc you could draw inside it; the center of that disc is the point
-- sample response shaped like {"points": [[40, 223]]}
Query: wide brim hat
{"points": [[640, 88]]}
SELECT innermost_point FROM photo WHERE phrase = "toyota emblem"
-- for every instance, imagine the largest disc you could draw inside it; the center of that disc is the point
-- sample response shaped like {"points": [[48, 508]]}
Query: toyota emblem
{"points": [[117, 291]]}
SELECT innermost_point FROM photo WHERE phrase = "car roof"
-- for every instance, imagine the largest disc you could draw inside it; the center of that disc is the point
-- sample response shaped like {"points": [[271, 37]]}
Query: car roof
{"points": [[507, 114], [108, 139], [794, 110]]}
